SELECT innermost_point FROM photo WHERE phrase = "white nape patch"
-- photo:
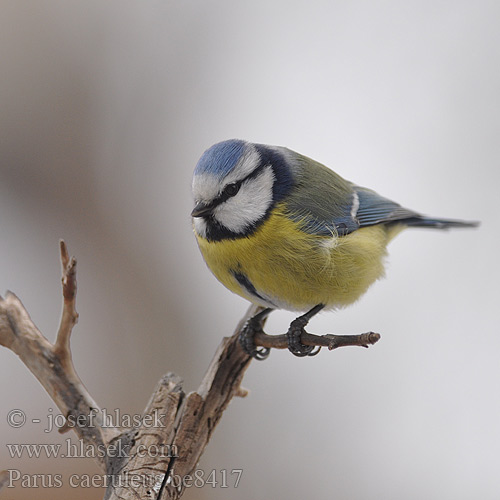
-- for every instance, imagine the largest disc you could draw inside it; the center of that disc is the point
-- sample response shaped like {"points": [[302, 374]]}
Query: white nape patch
{"points": [[249, 205], [355, 205]]}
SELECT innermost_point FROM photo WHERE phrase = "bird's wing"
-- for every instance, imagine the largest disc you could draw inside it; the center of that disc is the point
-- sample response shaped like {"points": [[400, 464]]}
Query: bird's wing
{"points": [[327, 204], [375, 209]]}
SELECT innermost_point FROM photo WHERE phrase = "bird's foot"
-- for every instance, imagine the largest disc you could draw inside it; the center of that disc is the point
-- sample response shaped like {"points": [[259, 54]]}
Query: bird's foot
{"points": [[247, 334], [294, 335]]}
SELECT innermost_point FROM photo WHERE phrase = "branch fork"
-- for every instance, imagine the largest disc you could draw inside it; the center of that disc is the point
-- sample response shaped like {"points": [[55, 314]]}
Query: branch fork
{"points": [[187, 420]]}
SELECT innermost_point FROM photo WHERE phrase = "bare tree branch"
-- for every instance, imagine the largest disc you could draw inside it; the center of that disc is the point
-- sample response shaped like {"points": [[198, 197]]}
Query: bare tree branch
{"points": [[331, 341], [20, 335], [151, 460], [175, 425], [69, 315]]}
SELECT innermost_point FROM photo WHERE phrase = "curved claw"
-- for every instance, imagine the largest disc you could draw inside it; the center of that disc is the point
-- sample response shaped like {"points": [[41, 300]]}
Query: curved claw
{"points": [[247, 343], [315, 351], [295, 346], [300, 350], [295, 331], [260, 354]]}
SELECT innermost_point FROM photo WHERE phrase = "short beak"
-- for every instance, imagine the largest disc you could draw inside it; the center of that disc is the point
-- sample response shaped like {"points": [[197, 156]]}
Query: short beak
{"points": [[201, 209]]}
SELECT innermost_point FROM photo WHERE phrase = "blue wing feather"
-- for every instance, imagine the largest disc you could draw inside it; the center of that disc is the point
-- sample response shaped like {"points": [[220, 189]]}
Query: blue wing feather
{"points": [[325, 204], [375, 209]]}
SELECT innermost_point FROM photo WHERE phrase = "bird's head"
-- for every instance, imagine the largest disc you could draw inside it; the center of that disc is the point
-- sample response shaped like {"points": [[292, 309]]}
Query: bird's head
{"points": [[235, 186]]}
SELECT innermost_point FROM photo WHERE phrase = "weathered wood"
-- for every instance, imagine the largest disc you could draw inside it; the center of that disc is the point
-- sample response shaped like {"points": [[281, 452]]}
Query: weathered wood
{"points": [[150, 460]]}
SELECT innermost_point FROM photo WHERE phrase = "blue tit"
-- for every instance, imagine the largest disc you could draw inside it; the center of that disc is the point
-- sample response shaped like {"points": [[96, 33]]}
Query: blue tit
{"points": [[286, 232]]}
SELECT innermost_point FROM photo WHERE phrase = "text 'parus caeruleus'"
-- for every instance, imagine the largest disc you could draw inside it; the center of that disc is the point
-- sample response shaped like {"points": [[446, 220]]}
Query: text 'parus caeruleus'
{"points": [[285, 232]]}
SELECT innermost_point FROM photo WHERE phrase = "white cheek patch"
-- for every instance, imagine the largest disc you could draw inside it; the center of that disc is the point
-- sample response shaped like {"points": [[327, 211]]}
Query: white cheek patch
{"points": [[249, 205]]}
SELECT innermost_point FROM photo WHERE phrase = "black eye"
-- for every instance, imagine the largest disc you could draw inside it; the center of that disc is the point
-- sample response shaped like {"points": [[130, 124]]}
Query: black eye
{"points": [[231, 189]]}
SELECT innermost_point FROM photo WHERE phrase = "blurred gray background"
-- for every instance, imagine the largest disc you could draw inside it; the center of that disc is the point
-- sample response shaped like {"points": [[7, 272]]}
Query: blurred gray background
{"points": [[105, 108]]}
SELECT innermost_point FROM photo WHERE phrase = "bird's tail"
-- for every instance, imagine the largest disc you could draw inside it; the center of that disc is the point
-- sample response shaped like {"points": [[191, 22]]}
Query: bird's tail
{"points": [[423, 221]]}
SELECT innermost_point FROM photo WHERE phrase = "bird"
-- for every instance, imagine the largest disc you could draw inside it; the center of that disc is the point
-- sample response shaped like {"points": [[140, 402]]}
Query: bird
{"points": [[286, 232]]}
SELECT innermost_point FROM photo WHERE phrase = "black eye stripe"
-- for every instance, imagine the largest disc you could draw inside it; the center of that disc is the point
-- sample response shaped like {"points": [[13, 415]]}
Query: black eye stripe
{"points": [[225, 195]]}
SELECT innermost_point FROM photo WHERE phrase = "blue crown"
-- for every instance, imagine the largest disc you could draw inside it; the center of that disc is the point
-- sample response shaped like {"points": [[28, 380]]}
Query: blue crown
{"points": [[220, 158]]}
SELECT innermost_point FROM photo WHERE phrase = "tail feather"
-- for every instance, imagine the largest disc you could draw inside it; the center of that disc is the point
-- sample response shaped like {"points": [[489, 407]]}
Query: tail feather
{"points": [[422, 221]]}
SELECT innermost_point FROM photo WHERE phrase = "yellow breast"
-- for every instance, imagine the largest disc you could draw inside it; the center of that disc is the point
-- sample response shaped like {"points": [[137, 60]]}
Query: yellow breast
{"points": [[291, 269]]}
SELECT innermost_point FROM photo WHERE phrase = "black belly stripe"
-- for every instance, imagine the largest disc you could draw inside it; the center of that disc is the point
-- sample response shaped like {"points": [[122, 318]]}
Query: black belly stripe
{"points": [[248, 286]]}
